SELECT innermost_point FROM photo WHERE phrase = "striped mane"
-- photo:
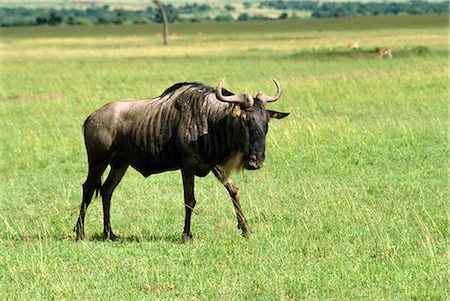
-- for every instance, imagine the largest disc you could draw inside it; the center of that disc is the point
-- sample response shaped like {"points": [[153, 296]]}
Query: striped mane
{"points": [[201, 88], [196, 106]]}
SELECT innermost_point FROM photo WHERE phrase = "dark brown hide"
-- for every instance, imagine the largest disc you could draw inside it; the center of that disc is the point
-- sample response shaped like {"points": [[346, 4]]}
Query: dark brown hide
{"points": [[185, 128]]}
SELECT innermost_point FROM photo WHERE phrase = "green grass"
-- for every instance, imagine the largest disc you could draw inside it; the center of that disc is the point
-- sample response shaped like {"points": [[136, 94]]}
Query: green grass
{"points": [[351, 204]]}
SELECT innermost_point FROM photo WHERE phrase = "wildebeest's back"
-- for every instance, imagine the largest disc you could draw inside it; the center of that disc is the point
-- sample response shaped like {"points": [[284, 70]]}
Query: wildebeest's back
{"points": [[154, 135], [149, 133]]}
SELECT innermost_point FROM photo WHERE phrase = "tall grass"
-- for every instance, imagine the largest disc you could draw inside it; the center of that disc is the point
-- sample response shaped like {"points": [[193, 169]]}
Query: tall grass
{"points": [[350, 205]]}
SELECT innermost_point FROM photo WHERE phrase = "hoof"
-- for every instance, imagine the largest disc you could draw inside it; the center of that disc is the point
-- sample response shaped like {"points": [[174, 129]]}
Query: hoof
{"points": [[79, 233], [187, 238], [246, 234], [78, 236], [111, 236]]}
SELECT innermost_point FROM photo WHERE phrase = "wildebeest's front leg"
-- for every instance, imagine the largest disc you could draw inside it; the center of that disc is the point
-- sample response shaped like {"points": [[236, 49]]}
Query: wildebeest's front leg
{"points": [[189, 200], [233, 190]]}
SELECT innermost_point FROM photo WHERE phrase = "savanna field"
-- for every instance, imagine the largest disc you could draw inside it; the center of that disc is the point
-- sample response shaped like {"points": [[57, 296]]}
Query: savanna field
{"points": [[351, 203]]}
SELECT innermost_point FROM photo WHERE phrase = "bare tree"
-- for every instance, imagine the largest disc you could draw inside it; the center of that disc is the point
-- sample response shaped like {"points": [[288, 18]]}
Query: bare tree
{"points": [[165, 21]]}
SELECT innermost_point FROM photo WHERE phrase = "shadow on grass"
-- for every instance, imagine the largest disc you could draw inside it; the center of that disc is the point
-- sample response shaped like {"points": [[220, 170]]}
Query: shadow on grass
{"points": [[172, 238], [32, 237]]}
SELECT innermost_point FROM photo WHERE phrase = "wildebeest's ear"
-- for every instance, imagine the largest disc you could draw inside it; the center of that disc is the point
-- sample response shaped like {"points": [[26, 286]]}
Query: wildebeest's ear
{"points": [[239, 113], [277, 115]]}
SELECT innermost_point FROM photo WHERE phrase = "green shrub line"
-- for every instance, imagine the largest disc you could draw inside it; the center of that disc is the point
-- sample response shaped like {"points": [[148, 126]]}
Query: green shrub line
{"points": [[106, 15]]}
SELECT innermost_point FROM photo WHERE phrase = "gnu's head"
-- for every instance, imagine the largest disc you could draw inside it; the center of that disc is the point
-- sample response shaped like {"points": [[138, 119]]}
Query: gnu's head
{"points": [[254, 116]]}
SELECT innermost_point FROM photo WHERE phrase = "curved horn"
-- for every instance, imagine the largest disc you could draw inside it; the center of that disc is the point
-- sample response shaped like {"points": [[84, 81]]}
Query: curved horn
{"points": [[264, 98], [245, 98]]}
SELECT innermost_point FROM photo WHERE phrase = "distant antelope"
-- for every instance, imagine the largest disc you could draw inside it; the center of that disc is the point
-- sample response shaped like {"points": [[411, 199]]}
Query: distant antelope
{"points": [[353, 45], [384, 51]]}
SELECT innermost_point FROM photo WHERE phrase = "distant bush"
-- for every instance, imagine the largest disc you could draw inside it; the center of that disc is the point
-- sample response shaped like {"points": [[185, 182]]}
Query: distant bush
{"points": [[229, 8], [224, 18], [244, 17], [283, 16], [260, 17], [291, 5], [194, 8], [51, 18]]}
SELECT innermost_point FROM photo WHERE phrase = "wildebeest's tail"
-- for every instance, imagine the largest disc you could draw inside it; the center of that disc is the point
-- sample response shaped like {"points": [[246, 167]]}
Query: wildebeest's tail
{"points": [[98, 184]]}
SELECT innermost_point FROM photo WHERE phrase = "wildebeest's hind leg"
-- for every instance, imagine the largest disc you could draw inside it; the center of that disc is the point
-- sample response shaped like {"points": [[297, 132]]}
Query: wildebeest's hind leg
{"points": [[114, 178], [233, 190], [92, 183]]}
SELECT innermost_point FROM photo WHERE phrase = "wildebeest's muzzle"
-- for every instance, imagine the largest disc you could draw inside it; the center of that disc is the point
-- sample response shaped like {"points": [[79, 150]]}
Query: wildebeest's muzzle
{"points": [[254, 162]]}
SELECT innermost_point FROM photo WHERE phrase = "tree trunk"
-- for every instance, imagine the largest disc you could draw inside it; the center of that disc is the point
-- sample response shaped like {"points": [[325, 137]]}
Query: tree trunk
{"points": [[165, 22]]}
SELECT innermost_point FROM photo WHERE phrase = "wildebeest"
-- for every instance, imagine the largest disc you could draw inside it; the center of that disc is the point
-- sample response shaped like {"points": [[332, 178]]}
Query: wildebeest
{"points": [[192, 127]]}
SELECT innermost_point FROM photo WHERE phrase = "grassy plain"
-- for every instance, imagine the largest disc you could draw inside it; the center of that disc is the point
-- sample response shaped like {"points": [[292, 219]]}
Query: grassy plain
{"points": [[351, 204]]}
